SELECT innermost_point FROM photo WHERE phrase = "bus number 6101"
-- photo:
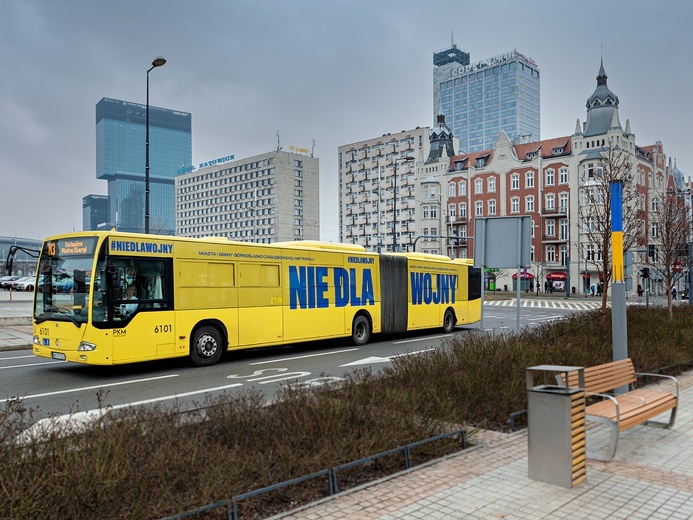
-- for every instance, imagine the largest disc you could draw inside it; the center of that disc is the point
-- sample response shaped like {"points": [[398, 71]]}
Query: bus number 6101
{"points": [[162, 328]]}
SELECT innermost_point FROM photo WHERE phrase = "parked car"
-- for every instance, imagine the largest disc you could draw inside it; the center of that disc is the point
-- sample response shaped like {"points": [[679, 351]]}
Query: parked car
{"points": [[5, 284], [21, 280], [63, 283], [24, 284]]}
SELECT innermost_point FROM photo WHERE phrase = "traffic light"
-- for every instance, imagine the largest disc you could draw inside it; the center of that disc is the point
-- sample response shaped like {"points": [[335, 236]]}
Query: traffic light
{"points": [[645, 273]]}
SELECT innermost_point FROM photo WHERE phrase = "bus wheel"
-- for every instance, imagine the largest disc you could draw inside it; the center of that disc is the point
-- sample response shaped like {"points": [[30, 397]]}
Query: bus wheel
{"points": [[448, 321], [360, 331], [206, 348]]}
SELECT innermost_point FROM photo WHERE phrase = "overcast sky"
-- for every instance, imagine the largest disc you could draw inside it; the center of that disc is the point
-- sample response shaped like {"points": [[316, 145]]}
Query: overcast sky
{"points": [[337, 71]]}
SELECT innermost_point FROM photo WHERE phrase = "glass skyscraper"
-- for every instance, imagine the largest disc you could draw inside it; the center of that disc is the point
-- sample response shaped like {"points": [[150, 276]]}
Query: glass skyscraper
{"points": [[95, 213], [481, 99], [120, 160]]}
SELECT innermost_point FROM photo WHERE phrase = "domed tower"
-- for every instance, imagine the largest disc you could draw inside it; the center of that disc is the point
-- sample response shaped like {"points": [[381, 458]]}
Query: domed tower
{"points": [[441, 140], [602, 108]]}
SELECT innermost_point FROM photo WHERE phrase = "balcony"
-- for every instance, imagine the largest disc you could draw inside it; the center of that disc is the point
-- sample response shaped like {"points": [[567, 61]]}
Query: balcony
{"points": [[553, 239], [555, 211]]}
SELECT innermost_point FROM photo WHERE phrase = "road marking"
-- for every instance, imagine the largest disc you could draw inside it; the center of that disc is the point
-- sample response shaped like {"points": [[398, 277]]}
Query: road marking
{"points": [[17, 357], [96, 387], [421, 339], [81, 419], [33, 364], [374, 359], [304, 357], [173, 396]]}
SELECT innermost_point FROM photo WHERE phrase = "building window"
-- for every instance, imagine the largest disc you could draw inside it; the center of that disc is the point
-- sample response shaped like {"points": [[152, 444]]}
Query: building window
{"points": [[550, 253], [564, 255], [479, 208], [529, 180], [492, 207], [589, 252], [563, 176], [515, 181], [515, 205], [451, 190], [430, 191], [550, 177], [550, 202], [563, 202], [655, 204], [462, 188], [463, 209], [529, 204], [550, 228], [491, 183], [452, 211], [564, 229], [479, 186]]}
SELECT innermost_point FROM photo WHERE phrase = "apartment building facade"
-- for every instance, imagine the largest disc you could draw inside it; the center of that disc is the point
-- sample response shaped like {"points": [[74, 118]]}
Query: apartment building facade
{"points": [[377, 195]]}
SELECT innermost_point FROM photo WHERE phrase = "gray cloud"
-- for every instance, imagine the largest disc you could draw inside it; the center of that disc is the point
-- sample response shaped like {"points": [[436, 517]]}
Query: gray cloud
{"points": [[335, 71]]}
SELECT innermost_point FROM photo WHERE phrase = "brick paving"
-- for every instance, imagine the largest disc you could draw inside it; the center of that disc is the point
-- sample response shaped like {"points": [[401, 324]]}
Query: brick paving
{"points": [[651, 477]]}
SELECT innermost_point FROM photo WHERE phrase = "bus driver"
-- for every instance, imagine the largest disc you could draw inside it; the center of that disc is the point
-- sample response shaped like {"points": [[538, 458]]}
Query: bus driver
{"points": [[126, 309]]}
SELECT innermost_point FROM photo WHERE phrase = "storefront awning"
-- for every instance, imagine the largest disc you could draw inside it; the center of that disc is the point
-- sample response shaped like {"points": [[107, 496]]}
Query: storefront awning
{"points": [[524, 276], [557, 276]]}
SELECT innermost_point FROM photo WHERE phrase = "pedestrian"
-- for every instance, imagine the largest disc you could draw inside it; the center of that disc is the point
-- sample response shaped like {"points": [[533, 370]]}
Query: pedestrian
{"points": [[673, 293], [640, 291], [592, 290]]}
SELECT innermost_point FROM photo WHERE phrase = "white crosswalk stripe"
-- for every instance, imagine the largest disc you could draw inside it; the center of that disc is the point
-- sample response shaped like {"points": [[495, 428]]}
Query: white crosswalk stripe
{"points": [[549, 304]]}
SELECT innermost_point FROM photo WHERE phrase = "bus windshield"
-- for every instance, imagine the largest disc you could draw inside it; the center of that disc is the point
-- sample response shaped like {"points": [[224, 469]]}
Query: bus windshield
{"points": [[64, 278]]}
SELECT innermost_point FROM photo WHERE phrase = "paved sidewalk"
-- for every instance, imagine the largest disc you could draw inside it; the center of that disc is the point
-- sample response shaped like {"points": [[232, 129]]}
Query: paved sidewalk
{"points": [[650, 477], [15, 320]]}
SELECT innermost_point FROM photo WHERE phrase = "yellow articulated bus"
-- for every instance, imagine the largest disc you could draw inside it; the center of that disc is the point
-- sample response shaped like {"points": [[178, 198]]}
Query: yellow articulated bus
{"points": [[106, 298]]}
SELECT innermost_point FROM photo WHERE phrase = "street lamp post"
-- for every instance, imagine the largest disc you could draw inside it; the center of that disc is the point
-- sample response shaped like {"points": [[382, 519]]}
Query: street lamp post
{"points": [[158, 62], [406, 158]]}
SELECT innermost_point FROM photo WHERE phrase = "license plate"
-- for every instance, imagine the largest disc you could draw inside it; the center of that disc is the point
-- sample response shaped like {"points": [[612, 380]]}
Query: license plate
{"points": [[58, 355]]}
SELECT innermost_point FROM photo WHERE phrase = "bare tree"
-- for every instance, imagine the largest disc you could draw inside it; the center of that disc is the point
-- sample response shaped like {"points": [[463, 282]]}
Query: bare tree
{"points": [[615, 164], [671, 229], [538, 269]]}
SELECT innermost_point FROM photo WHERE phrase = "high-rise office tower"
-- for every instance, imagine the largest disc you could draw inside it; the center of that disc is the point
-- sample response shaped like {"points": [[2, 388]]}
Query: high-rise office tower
{"points": [[95, 213], [481, 99], [120, 160]]}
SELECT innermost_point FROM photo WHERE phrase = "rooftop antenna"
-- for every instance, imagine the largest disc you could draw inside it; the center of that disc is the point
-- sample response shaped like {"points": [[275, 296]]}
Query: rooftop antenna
{"points": [[452, 39], [279, 144], [312, 150]]}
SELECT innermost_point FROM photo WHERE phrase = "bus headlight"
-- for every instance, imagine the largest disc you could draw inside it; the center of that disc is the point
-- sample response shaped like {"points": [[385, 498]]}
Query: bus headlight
{"points": [[37, 341], [86, 346]]}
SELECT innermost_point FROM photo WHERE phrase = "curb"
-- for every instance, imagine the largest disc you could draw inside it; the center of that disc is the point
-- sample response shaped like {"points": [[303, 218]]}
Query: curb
{"points": [[10, 348], [14, 320]]}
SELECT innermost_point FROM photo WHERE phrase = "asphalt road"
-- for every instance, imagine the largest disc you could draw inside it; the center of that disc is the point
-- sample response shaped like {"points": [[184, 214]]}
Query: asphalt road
{"points": [[54, 388]]}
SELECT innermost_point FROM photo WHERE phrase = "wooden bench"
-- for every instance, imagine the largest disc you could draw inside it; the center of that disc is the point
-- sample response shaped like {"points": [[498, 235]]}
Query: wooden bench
{"points": [[621, 411]]}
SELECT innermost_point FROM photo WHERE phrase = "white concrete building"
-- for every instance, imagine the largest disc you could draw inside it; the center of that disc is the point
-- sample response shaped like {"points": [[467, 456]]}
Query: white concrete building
{"points": [[272, 197]]}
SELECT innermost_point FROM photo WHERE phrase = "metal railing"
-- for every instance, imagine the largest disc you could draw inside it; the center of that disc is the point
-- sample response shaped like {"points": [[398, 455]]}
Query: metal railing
{"points": [[231, 504]]}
